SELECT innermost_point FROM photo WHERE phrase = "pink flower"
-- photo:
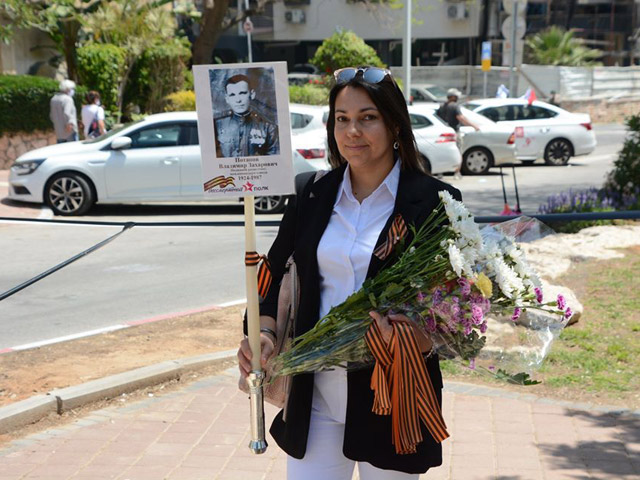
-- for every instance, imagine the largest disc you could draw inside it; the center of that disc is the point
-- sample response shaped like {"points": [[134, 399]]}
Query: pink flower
{"points": [[538, 291], [465, 286], [516, 314], [568, 313], [483, 327], [477, 315], [562, 303], [472, 363], [421, 297]]}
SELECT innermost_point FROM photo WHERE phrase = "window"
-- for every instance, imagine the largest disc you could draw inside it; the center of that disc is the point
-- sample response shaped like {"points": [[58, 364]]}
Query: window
{"points": [[418, 121], [494, 113], [417, 95], [191, 136], [299, 120], [154, 137], [532, 112]]}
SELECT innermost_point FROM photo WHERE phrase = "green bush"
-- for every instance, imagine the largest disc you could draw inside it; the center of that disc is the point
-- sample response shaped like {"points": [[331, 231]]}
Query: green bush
{"points": [[184, 100], [24, 102], [623, 182], [100, 67], [157, 73], [309, 94], [344, 49]]}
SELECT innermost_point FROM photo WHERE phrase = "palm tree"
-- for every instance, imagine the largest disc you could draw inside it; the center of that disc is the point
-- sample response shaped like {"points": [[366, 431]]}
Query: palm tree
{"points": [[556, 46]]}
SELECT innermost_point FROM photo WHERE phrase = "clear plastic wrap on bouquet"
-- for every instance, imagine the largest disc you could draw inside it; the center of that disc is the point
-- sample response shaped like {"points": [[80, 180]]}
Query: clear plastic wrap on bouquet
{"points": [[470, 289]]}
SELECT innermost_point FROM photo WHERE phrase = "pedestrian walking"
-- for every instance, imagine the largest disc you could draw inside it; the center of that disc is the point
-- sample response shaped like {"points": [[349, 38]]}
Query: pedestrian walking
{"points": [[63, 113], [92, 115], [337, 228], [450, 112]]}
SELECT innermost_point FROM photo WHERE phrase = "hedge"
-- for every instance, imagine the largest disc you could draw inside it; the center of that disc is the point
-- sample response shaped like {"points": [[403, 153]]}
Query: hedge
{"points": [[24, 102], [100, 66]]}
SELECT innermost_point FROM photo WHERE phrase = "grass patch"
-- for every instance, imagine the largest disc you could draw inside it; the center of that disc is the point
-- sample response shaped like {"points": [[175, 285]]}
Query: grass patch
{"points": [[595, 359]]}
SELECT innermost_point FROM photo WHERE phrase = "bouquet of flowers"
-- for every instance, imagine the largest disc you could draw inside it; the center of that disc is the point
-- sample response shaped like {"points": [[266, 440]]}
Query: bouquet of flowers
{"points": [[466, 287]]}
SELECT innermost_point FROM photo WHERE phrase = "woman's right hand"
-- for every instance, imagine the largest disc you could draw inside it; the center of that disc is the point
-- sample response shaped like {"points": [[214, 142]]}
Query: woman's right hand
{"points": [[245, 355]]}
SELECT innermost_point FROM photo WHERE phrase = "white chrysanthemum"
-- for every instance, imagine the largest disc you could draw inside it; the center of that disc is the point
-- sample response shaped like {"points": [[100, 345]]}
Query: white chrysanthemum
{"points": [[508, 281], [456, 259]]}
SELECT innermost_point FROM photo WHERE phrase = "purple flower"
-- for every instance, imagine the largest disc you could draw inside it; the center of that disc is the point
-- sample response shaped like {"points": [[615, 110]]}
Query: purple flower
{"points": [[562, 303], [538, 291], [472, 363], [568, 313], [477, 315], [491, 367], [430, 323], [421, 296], [465, 286], [483, 327], [516, 314], [437, 296]]}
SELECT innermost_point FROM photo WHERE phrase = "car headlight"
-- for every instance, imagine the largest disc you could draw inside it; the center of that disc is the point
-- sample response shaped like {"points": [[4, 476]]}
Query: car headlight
{"points": [[27, 167]]}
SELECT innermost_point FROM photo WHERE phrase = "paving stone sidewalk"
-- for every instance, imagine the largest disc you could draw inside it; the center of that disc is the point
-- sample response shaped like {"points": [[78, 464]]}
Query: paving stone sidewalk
{"points": [[201, 432]]}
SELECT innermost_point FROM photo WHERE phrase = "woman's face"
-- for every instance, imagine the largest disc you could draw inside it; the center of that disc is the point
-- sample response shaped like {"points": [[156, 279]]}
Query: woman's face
{"points": [[363, 138]]}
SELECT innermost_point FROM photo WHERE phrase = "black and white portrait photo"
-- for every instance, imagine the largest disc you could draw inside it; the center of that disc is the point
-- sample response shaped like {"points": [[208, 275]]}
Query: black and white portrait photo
{"points": [[244, 112]]}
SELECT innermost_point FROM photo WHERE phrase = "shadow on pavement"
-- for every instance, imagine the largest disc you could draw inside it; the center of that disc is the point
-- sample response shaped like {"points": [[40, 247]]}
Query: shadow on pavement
{"points": [[611, 455]]}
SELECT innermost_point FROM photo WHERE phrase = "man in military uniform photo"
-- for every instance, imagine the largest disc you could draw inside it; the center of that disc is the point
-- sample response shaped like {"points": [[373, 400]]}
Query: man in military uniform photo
{"points": [[242, 131]]}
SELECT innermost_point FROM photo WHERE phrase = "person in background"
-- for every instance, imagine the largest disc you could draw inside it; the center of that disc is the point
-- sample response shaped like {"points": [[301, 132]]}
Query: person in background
{"points": [[63, 113], [93, 116], [553, 98], [450, 112], [336, 226]]}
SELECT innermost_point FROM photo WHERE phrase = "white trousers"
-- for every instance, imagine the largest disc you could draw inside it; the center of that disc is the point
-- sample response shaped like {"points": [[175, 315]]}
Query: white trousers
{"points": [[324, 459]]}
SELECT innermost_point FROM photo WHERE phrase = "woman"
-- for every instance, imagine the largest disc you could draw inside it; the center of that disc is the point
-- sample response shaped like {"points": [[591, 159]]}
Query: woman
{"points": [[93, 116], [333, 227]]}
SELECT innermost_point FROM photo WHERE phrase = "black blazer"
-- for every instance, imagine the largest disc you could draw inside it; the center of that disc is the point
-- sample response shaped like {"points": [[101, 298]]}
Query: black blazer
{"points": [[367, 435]]}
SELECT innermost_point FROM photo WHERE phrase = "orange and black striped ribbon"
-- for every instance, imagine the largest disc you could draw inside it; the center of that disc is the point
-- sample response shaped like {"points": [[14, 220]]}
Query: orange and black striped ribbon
{"points": [[403, 388], [264, 271], [396, 233]]}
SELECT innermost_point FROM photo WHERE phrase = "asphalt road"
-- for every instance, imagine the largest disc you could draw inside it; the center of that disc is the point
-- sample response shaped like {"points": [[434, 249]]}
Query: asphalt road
{"points": [[151, 272]]}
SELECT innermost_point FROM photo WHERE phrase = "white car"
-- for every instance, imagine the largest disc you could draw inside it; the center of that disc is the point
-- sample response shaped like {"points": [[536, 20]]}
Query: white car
{"points": [[309, 133], [542, 130], [154, 160], [492, 146], [436, 141], [428, 93]]}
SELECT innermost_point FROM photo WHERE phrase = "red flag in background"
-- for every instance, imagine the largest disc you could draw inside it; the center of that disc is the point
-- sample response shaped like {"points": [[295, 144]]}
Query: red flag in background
{"points": [[530, 95]]}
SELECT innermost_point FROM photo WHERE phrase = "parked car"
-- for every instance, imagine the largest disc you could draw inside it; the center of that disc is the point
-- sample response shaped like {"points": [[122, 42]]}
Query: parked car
{"points": [[428, 92], [545, 131], [309, 133], [436, 140], [303, 73], [159, 162], [492, 146]]}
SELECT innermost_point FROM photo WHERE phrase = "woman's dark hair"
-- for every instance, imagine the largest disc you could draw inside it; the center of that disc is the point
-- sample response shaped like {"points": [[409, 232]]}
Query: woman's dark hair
{"points": [[92, 96], [388, 98]]}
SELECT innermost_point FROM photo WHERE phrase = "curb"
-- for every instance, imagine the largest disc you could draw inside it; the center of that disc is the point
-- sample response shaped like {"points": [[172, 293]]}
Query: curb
{"points": [[58, 401]]}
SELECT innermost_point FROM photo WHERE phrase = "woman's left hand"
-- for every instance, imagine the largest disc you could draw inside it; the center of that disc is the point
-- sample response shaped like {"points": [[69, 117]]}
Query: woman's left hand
{"points": [[384, 324]]}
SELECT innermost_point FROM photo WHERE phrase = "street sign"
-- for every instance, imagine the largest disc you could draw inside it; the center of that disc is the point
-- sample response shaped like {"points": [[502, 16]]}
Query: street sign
{"points": [[486, 56], [507, 25]]}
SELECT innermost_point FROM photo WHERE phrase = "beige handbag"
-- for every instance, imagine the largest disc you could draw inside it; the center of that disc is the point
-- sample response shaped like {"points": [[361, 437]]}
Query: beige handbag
{"points": [[276, 391]]}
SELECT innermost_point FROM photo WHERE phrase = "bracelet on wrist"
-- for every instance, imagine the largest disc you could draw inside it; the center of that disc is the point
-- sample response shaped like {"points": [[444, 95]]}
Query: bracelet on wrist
{"points": [[270, 332]]}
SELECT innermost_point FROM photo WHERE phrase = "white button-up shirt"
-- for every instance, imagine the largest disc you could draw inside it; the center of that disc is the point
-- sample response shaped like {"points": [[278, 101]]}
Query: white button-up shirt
{"points": [[344, 254]]}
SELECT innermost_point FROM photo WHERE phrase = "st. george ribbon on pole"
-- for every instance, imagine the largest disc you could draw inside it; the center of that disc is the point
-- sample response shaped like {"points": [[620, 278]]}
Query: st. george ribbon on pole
{"points": [[258, 442]]}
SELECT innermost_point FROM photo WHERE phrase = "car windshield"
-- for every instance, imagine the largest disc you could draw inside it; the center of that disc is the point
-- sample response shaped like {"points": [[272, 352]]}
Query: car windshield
{"points": [[471, 105], [437, 91], [110, 133]]}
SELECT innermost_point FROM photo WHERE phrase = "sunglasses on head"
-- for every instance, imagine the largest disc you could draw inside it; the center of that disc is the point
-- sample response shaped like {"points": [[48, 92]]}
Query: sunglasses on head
{"points": [[369, 74]]}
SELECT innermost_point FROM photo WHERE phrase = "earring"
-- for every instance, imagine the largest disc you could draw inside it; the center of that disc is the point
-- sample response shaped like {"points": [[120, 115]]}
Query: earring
{"points": [[396, 145]]}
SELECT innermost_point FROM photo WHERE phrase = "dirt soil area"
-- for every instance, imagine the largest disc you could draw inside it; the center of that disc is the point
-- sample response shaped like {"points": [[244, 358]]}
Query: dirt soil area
{"points": [[37, 371]]}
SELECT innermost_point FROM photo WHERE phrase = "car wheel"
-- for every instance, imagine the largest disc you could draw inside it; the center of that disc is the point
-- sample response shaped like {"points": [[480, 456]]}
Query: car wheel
{"points": [[476, 161], [527, 162], [272, 204], [69, 194], [558, 152], [426, 164]]}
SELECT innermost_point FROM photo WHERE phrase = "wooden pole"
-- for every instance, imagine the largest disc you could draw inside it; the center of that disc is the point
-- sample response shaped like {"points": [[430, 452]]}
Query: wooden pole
{"points": [[258, 443]]}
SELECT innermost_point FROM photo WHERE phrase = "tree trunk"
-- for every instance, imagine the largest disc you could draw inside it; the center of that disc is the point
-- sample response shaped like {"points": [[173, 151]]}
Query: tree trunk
{"points": [[69, 32], [210, 31], [131, 60]]}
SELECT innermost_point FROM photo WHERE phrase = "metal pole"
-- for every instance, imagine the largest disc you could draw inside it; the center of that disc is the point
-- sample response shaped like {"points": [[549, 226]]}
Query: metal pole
{"points": [[512, 68], [246, 7], [406, 51], [484, 84]]}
